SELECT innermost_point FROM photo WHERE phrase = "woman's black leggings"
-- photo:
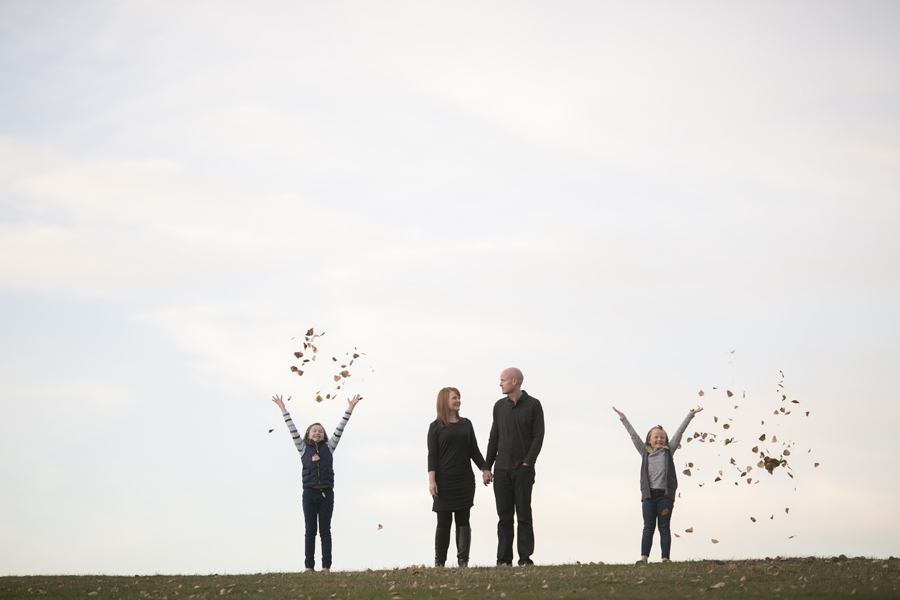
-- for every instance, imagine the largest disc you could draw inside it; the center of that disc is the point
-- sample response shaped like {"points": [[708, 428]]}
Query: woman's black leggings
{"points": [[445, 518]]}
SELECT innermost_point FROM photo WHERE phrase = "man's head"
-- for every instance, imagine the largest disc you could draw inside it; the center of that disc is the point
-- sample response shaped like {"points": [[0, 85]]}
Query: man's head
{"points": [[511, 380]]}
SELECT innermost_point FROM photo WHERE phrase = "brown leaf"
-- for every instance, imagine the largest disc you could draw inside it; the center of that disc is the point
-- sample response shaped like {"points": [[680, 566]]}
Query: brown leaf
{"points": [[675, 534], [310, 332], [355, 355], [345, 373], [715, 419], [318, 398], [787, 452], [745, 395], [691, 465], [716, 542], [753, 519], [298, 354], [815, 465], [733, 350], [719, 585], [787, 510], [334, 358], [299, 373], [726, 426], [774, 439], [665, 511], [701, 393], [271, 430], [687, 472], [717, 479], [755, 449], [762, 438], [729, 393], [293, 369], [379, 526], [795, 401], [689, 530], [337, 377]]}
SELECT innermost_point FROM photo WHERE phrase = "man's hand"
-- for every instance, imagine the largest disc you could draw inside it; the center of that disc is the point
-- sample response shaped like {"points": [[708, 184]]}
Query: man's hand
{"points": [[486, 476]]}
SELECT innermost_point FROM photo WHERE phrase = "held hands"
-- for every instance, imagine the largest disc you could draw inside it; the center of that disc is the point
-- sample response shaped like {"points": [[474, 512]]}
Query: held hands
{"points": [[696, 410], [432, 488], [486, 477], [352, 403], [277, 400], [621, 414]]}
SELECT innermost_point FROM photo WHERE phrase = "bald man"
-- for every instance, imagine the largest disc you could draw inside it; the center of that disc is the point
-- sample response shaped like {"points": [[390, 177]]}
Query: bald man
{"points": [[516, 438]]}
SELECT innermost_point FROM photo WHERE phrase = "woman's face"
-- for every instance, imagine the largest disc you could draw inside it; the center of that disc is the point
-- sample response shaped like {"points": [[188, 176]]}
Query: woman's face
{"points": [[657, 438], [317, 433], [453, 402]]}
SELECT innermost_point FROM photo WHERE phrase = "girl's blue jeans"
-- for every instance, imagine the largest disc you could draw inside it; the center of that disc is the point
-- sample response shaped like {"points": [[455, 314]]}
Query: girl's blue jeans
{"points": [[318, 506], [657, 509]]}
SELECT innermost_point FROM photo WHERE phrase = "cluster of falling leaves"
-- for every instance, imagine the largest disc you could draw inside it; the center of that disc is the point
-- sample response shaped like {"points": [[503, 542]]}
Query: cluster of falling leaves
{"points": [[307, 356], [773, 462]]}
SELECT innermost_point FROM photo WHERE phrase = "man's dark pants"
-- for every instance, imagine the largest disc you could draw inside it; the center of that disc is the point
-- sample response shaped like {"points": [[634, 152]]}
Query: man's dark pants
{"points": [[512, 490]]}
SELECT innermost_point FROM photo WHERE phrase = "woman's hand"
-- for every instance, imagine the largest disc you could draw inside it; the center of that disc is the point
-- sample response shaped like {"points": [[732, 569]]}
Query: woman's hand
{"points": [[620, 413], [352, 403], [277, 400], [432, 488], [696, 410]]}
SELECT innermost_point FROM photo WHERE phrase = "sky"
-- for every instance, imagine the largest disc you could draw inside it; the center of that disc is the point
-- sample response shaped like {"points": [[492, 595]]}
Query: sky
{"points": [[629, 202]]}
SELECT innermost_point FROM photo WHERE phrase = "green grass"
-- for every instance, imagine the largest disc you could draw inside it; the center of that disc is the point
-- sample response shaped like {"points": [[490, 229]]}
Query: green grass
{"points": [[778, 578]]}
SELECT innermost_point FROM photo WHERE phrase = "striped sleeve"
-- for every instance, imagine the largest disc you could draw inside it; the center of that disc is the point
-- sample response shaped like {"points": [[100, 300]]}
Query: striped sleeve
{"points": [[333, 442], [298, 439]]}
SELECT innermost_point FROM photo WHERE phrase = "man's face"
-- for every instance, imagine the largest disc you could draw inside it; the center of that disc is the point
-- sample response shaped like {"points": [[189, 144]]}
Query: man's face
{"points": [[507, 382]]}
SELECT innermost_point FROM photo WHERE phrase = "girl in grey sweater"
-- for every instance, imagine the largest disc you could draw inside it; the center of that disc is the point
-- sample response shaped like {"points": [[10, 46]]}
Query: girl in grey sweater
{"points": [[658, 481]]}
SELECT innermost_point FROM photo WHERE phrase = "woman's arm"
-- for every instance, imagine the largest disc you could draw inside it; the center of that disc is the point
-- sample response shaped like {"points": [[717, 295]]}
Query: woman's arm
{"points": [[339, 430], [433, 454], [474, 452], [298, 440], [635, 438], [675, 440]]}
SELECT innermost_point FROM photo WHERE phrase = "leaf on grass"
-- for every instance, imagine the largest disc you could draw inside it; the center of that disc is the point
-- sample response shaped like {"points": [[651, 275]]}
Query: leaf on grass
{"points": [[729, 393], [689, 530], [721, 584]]}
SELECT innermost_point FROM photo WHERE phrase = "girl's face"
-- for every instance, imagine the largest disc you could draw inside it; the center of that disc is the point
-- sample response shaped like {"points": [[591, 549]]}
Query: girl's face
{"points": [[317, 433], [454, 402], [657, 438]]}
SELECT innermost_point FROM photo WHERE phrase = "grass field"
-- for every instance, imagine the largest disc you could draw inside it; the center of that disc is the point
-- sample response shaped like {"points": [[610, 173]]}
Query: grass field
{"points": [[837, 577]]}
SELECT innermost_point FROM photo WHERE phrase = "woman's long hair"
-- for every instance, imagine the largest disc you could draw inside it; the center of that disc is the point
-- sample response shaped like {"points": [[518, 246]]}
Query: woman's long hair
{"points": [[443, 408]]}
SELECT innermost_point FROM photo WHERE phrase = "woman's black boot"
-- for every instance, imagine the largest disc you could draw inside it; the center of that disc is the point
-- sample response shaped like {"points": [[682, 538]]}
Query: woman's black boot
{"points": [[463, 543], [441, 544]]}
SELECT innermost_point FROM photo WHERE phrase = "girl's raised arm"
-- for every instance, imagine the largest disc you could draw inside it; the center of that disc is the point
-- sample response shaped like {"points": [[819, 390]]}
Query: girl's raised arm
{"points": [[675, 440], [635, 438], [339, 431], [298, 439]]}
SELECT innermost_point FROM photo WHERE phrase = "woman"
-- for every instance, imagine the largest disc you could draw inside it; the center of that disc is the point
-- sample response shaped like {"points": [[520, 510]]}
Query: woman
{"points": [[451, 445]]}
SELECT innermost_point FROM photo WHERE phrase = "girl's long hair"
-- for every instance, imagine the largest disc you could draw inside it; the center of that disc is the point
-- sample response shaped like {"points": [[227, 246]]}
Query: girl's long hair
{"points": [[443, 408]]}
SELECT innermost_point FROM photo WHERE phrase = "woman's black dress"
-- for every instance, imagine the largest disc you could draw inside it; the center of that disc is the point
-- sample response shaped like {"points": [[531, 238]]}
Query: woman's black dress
{"points": [[449, 451]]}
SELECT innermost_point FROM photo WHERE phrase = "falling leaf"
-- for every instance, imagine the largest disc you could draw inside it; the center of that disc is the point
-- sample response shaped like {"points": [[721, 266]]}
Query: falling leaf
{"points": [[665, 511], [787, 511], [753, 519], [337, 377], [701, 392], [772, 518], [755, 449], [715, 419], [807, 413], [675, 534], [729, 393], [774, 439], [762, 438], [334, 359], [735, 406], [271, 430], [689, 530], [745, 394], [726, 426], [816, 465], [791, 537], [716, 542], [318, 398], [687, 472], [690, 464], [310, 332], [355, 355], [345, 373], [379, 526], [733, 350], [298, 354], [717, 479], [795, 401], [293, 369], [787, 452]]}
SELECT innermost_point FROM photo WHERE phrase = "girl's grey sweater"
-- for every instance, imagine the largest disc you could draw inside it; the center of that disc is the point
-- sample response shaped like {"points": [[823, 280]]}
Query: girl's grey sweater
{"points": [[657, 467]]}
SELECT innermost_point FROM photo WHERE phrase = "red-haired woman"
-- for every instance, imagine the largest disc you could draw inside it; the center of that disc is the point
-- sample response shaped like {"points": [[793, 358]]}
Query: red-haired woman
{"points": [[451, 445]]}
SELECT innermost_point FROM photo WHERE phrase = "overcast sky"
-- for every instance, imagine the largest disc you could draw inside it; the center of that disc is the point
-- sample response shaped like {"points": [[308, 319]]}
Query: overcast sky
{"points": [[611, 197]]}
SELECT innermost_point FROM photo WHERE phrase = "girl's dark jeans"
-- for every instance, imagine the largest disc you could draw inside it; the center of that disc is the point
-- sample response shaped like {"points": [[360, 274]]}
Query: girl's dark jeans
{"points": [[657, 509], [318, 506]]}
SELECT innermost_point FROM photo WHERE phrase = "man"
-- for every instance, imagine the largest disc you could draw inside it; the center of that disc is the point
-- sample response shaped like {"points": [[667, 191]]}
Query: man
{"points": [[516, 438]]}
